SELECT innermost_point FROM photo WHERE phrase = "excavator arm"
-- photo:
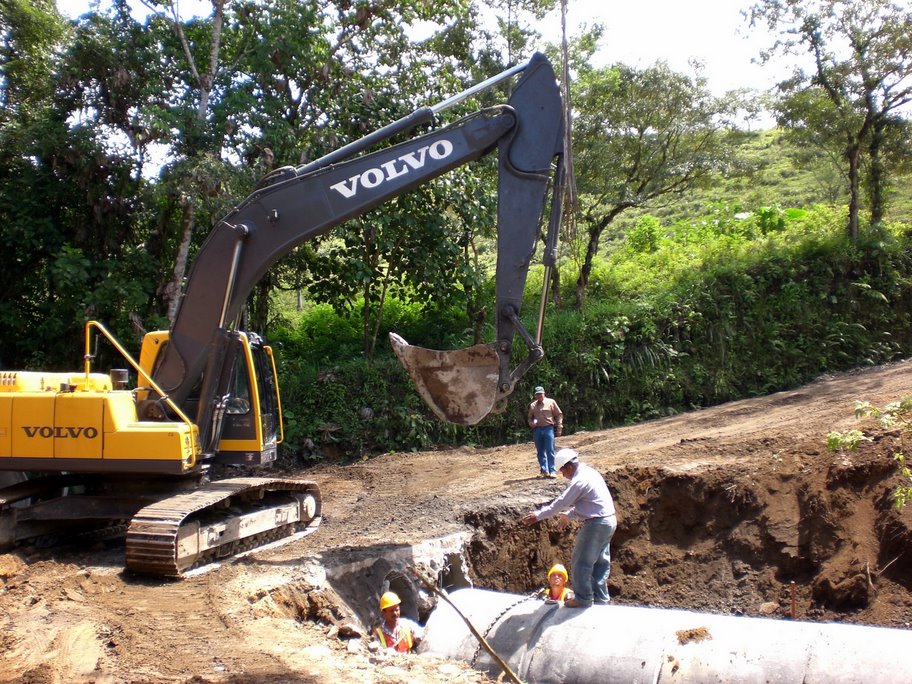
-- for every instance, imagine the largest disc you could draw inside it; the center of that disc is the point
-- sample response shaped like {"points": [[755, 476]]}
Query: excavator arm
{"points": [[295, 204]]}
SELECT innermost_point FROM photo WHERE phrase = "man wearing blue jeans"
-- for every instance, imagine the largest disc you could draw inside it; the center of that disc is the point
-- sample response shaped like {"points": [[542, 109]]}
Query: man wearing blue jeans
{"points": [[586, 498], [547, 422]]}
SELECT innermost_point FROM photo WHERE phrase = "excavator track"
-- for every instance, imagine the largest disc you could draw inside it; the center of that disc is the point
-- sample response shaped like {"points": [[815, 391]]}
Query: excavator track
{"points": [[218, 520]]}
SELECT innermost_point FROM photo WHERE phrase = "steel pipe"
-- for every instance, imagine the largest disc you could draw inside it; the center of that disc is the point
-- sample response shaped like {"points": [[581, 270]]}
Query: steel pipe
{"points": [[547, 642]]}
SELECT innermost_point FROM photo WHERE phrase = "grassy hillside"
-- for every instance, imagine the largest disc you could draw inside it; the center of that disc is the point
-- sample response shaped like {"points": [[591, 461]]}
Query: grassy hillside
{"points": [[744, 287], [769, 171]]}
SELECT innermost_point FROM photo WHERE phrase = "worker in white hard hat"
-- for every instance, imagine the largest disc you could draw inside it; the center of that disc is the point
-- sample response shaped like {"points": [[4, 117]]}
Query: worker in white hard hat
{"points": [[396, 633], [586, 498]]}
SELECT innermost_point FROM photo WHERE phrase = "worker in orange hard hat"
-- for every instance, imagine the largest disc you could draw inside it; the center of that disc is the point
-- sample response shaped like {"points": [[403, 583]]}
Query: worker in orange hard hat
{"points": [[396, 632], [557, 584]]}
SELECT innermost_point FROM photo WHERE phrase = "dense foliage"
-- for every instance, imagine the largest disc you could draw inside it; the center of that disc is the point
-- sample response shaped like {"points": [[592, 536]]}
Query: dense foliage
{"points": [[702, 311], [124, 139], [849, 94]]}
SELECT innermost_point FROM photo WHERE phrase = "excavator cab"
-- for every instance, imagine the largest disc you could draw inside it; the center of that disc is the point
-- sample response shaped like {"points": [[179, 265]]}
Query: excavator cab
{"points": [[249, 409], [241, 421]]}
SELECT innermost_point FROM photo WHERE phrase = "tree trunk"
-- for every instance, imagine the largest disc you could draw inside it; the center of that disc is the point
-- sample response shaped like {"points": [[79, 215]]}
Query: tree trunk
{"points": [[476, 313], [582, 282], [366, 321], [877, 174], [853, 159], [596, 228], [477, 316], [259, 305], [555, 286], [171, 292]]}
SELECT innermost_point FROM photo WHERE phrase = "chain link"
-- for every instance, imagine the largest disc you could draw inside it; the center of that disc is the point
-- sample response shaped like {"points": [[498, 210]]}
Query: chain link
{"points": [[522, 599]]}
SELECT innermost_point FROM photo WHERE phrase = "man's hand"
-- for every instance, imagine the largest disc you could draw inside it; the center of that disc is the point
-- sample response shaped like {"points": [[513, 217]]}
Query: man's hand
{"points": [[528, 519], [558, 432]]}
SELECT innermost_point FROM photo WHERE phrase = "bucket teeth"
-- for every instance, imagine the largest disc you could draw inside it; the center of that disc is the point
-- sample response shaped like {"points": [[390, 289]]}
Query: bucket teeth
{"points": [[459, 386]]}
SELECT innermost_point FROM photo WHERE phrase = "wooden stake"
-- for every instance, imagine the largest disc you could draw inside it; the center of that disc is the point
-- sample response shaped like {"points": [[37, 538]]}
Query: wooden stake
{"points": [[431, 586]]}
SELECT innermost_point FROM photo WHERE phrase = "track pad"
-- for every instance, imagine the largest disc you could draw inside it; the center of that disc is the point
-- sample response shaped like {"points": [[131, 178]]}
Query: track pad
{"points": [[460, 386]]}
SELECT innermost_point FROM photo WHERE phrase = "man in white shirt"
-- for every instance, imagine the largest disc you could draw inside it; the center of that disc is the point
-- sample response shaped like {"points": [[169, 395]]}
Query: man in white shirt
{"points": [[586, 498]]}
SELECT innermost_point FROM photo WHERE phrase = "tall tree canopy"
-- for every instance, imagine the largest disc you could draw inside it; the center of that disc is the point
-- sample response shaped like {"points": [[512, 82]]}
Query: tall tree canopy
{"points": [[134, 134], [859, 82], [641, 137]]}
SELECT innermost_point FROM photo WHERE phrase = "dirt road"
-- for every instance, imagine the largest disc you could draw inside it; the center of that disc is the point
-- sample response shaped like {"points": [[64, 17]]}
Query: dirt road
{"points": [[737, 508]]}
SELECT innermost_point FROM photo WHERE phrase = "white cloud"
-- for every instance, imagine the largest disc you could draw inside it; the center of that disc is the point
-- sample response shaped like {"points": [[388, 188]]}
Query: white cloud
{"points": [[642, 32]]}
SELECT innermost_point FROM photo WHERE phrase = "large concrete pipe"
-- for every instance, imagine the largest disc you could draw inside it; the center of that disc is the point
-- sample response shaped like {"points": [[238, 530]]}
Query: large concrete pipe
{"points": [[546, 642]]}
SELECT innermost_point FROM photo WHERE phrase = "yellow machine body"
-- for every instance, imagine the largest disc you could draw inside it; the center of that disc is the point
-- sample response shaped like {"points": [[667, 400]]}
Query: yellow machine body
{"points": [[74, 422]]}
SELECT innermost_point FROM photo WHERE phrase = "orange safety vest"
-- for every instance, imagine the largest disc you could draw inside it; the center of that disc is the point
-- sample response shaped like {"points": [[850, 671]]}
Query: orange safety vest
{"points": [[563, 596], [403, 645]]}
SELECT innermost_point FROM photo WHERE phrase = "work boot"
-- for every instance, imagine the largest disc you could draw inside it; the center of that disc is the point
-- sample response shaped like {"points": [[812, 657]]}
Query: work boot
{"points": [[574, 603]]}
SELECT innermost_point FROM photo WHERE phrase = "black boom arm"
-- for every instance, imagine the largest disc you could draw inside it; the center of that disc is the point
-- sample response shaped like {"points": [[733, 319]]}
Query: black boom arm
{"points": [[310, 200]]}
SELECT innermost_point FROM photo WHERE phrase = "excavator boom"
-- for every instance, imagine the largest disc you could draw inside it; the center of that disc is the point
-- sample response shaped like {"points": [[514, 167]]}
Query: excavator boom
{"points": [[302, 203]]}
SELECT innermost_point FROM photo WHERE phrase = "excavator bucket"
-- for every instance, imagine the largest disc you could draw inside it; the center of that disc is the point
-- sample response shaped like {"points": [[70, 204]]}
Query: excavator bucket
{"points": [[460, 386]]}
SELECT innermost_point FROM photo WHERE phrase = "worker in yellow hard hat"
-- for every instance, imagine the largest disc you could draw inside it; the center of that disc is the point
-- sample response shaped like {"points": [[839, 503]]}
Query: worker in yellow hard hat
{"points": [[557, 584], [396, 632]]}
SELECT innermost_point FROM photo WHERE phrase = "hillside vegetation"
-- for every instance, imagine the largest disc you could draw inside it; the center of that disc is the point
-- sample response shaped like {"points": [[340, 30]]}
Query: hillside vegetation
{"points": [[736, 290]]}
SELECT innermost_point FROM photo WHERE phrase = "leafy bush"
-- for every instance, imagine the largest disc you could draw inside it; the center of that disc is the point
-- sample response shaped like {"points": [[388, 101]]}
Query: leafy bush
{"points": [[897, 414], [692, 314]]}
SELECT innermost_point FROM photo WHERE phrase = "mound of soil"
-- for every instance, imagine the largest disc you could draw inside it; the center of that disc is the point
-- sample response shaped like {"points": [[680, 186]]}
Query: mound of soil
{"points": [[737, 509]]}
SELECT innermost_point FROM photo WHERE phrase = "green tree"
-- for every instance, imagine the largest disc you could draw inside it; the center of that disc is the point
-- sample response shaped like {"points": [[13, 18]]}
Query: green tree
{"points": [[252, 88], [861, 76], [515, 36], [67, 196], [642, 137], [30, 31]]}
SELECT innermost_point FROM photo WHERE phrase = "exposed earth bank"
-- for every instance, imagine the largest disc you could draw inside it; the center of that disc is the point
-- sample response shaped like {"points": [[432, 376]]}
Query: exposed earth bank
{"points": [[738, 509]]}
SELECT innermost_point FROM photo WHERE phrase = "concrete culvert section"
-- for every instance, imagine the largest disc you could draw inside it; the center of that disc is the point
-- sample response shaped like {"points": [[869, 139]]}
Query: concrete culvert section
{"points": [[697, 550], [548, 643]]}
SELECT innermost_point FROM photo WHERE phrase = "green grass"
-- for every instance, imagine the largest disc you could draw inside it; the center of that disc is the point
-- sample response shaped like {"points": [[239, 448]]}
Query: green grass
{"points": [[741, 288]]}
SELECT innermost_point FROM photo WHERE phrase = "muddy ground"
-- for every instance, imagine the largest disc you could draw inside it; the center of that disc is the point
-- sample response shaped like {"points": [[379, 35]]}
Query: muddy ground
{"points": [[737, 509]]}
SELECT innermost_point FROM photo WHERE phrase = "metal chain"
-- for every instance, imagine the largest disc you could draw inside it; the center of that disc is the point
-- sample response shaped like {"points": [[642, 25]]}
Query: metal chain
{"points": [[497, 619]]}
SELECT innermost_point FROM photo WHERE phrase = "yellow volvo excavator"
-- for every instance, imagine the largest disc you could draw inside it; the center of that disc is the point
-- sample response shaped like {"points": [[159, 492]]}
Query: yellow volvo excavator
{"points": [[85, 447]]}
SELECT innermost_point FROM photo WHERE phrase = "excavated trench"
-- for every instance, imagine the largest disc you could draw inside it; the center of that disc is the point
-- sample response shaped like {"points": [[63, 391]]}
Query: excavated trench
{"points": [[774, 545], [783, 542]]}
